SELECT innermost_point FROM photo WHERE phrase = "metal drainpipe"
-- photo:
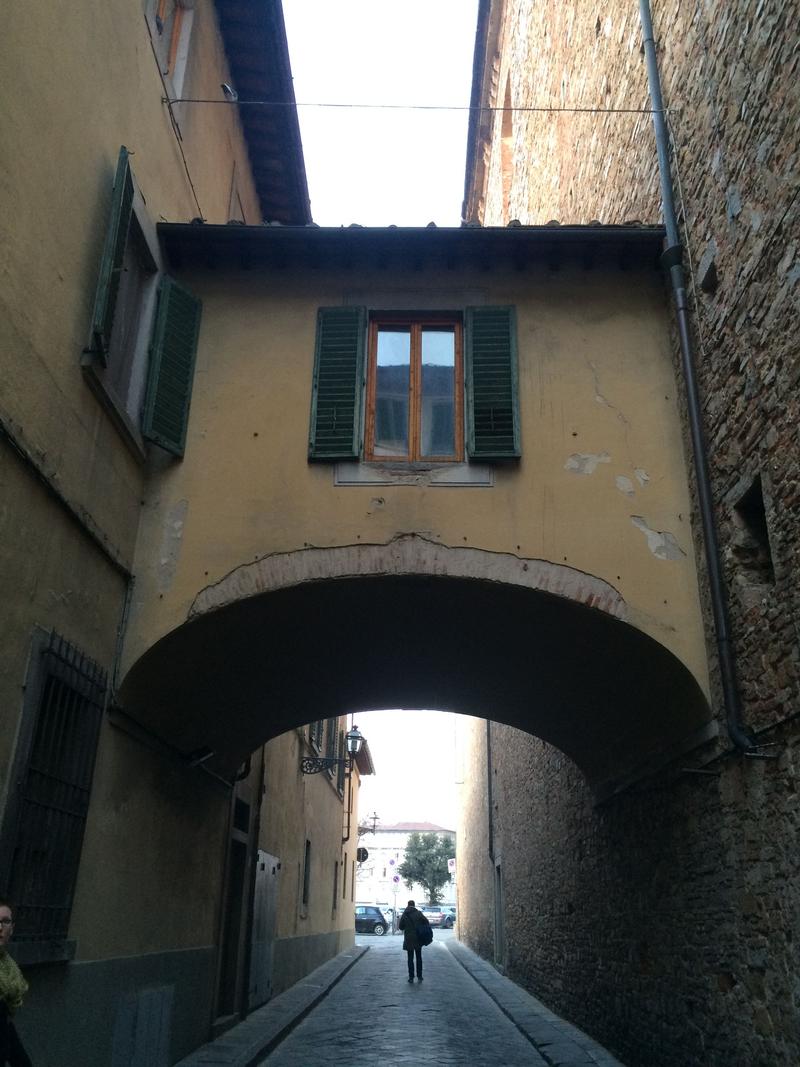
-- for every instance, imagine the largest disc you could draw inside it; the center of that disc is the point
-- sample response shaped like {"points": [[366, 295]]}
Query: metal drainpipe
{"points": [[489, 790], [671, 260]]}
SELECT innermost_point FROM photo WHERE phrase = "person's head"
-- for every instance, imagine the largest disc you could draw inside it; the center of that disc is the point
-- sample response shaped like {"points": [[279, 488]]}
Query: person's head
{"points": [[411, 904], [6, 921]]}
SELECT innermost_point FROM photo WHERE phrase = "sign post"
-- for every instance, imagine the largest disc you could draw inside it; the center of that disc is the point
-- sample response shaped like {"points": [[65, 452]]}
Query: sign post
{"points": [[395, 884]]}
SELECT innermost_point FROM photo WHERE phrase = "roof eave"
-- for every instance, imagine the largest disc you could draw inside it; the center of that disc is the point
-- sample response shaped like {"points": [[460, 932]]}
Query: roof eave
{"points": [[254, 35]]}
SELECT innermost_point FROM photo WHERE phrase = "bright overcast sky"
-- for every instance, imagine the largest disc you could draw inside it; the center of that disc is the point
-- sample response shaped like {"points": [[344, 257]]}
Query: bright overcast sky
{"points": [[415, 767], [377, 167]]}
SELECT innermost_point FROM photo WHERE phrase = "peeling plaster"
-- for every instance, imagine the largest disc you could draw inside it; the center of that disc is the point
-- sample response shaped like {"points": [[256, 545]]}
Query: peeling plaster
{"points": [[661, 543], [586, 462], [171, 542], [642, 477], [412, 555], [625, 485]]}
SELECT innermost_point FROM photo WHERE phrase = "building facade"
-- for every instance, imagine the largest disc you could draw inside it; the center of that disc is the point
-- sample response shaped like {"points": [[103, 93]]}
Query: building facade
{"points": [[142, 877], [386, 847], [665, 922]]}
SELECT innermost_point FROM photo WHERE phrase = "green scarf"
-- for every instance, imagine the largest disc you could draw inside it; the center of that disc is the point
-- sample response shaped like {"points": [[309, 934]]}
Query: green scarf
{"points": [[13, 986]]}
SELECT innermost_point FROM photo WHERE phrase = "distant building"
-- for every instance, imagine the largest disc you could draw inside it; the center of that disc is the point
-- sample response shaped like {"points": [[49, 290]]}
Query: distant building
{"points": [[386, 847]]}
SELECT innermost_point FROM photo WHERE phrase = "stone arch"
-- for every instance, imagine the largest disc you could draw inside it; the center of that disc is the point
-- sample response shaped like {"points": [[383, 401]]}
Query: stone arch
{"points": [[302, 635], [407, 554]]}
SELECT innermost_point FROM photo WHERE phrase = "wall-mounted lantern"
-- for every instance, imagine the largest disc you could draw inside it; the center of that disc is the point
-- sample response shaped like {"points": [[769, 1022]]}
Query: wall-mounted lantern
{"points": [[353, 743]]}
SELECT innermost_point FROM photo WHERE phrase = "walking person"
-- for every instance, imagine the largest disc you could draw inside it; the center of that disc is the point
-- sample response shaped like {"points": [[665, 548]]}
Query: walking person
{"points": [[13, 988], [413, 924]]}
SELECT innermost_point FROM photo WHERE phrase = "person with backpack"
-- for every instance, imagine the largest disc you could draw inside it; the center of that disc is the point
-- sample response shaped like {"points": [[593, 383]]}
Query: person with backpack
{"points": [[416, 933]]}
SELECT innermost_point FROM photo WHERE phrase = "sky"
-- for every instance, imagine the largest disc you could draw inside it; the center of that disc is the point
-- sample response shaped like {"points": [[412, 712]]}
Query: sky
{"points": [[378, 167], [415, 759]]}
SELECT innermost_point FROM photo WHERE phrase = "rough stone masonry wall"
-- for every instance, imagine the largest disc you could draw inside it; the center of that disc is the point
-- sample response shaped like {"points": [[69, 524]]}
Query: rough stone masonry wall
{"points": [[666, 922], [729, 75]]}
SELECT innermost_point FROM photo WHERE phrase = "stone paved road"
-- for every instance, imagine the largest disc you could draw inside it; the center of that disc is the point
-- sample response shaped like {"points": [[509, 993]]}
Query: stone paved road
{"points": [[374, 1016]]}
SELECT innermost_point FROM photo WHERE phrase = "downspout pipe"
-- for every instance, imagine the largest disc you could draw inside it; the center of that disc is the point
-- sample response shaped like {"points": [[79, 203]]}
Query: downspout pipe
{"points": [[672, 261]]}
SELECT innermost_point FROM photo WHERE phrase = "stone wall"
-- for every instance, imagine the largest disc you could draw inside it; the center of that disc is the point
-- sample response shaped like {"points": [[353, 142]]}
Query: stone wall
{"points": [[729, 76], [665, 922], [474, 881]]}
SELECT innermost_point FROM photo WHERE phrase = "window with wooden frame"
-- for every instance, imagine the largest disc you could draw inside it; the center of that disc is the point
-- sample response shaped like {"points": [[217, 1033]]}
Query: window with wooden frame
{"points": [[428, 388], [170, 23], [143, 338], [414, 410]]}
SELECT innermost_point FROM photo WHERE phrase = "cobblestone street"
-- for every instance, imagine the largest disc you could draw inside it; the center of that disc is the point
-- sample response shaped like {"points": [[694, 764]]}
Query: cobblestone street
{"points": [[373, 1015]]}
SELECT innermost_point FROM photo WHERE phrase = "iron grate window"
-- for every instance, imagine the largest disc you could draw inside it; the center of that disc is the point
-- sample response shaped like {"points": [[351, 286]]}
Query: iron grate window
{"points": [[316, 730], [46, 815]]}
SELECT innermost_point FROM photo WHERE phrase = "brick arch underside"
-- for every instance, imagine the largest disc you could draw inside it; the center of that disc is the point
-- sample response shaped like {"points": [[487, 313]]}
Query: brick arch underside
{"points": [[535, 645]]}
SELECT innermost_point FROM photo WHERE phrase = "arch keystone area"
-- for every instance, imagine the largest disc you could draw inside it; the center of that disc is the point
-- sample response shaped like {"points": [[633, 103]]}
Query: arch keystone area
{"points": [[406, 554]]}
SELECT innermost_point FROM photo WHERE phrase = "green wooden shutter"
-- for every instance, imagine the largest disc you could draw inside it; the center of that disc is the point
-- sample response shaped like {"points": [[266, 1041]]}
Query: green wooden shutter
{"points": [[172, 355], [338, 384], [105, 300], [491, 380]]}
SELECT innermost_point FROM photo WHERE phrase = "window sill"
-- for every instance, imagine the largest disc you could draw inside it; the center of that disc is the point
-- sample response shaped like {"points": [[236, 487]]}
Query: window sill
{"points": [[95, 379], [28, 953], [478, 475]]}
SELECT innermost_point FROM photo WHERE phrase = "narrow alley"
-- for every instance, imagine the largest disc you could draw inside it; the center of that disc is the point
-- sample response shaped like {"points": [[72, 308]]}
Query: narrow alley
{"points": [[464, 1012]]}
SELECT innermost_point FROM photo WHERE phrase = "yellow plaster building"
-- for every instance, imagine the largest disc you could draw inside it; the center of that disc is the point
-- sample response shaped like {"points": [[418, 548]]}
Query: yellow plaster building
{"points": [[133, 865]]}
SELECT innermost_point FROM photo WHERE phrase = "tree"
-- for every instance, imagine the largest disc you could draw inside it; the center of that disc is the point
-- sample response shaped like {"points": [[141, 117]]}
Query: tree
{"points": [[426, 863]]}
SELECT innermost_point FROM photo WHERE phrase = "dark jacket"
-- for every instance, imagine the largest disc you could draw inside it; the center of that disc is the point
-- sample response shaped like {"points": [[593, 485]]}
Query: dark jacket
{"points": [[11, 1050], [409, 921]]}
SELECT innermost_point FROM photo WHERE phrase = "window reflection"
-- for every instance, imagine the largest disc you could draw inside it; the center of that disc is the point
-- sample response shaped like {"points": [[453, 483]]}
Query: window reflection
{"points": [[393, 374], [437, 430]]}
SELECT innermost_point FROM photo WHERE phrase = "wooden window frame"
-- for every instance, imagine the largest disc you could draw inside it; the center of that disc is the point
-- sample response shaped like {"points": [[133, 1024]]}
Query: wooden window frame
{"points": [[171, 40], [417, 322]]}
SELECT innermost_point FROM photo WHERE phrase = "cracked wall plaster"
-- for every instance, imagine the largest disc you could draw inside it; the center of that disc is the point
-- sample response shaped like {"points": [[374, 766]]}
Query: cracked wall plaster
{"points": [[171, 541], [407, 554], [660, 542], [586, 462], [625, 485]]}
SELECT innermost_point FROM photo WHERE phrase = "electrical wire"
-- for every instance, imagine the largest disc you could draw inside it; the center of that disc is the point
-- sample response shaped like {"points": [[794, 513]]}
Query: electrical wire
{"points": [[173, 120], [417, 107]]}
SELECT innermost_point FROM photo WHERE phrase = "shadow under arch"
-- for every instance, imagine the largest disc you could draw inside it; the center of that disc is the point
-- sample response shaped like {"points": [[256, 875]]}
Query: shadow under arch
{"points": [[307, 635]]}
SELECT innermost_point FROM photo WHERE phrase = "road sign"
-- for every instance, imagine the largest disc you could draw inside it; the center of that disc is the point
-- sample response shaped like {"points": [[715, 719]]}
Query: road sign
{"points": [[396, 878], [451, 865]]}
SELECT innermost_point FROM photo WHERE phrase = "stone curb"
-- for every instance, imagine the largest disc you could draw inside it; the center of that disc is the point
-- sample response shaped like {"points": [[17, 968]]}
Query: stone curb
{"points": [[249, 1041], [558, 1042]]}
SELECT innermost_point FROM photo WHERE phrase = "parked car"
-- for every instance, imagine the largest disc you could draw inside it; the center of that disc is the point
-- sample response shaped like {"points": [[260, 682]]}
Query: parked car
{"points": [[370, 920], [435, 916], [449, 917], [388, 911]]}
